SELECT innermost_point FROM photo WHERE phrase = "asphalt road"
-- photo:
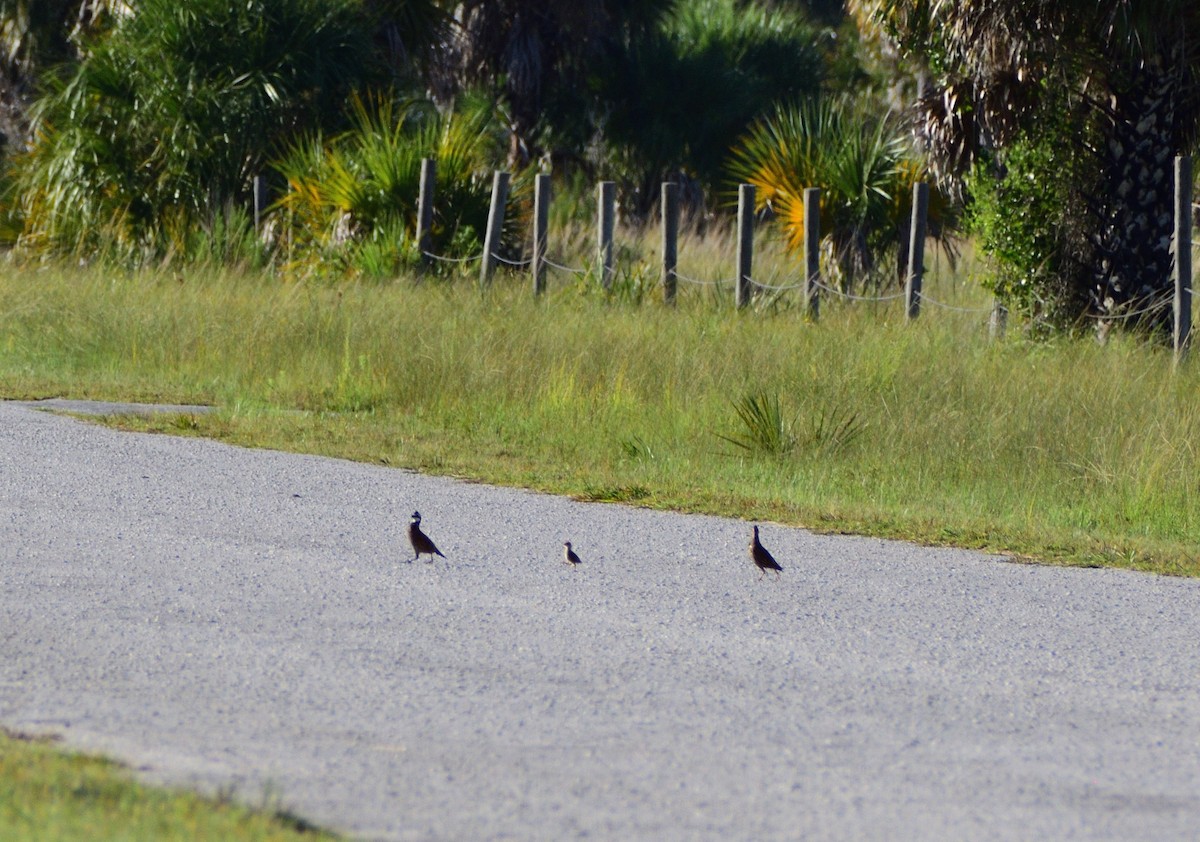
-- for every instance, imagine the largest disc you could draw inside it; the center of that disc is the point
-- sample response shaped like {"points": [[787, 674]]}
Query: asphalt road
{"points": [[229, 618]]}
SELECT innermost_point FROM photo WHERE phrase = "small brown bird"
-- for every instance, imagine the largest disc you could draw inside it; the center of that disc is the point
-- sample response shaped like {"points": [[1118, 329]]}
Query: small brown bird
{"points": [[569, 555], [420, 541], [761, 557]]}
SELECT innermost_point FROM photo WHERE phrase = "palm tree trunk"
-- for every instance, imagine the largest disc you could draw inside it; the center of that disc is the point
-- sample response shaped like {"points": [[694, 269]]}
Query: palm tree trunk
{"points": [[1131, 268]]}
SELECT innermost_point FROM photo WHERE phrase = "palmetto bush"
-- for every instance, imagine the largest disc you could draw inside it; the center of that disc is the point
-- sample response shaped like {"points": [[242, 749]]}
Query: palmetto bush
{"points": [[863, 167], [352, 199], [163, 124]]}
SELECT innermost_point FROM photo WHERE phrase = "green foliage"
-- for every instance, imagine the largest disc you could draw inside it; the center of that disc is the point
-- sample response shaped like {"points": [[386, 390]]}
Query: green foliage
{"points": [[765, 429], [1019, 214], [166, 121], [677, 97], [51, 795], [863, 166], [825, 429], [351, 202]]}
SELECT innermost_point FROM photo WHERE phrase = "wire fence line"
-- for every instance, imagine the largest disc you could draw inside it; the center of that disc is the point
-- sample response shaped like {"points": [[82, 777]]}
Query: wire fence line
{"points": [[560, 267], [953, 307], [841, 294], [443, 259], [810, 284], [518, 264], [697, 282], [850, 297], [773, 288]]}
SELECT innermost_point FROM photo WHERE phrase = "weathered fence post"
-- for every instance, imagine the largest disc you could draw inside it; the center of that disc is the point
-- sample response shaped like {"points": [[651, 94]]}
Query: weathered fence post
{"points": [[998, 322], [541, 216], [605, 220], [495, 225], [670, 239], [916, 249], [259, 186], [812, 251], [1183, 255], [425, 207], [745, 243]]}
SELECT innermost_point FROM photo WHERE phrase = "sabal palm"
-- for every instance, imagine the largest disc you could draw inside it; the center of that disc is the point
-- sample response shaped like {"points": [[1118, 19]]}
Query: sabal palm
{"points": [[35, 34], [858, 163], [1127, 73], [365, 181], [530, 46]]}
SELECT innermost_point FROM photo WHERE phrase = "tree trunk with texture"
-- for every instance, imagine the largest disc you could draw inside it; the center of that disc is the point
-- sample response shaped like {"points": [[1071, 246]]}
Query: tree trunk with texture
{"points": [[1132, 263]]}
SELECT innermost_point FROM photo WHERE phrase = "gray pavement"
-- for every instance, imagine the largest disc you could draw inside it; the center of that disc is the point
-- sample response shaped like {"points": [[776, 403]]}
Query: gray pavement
{"points": [[228, 618]]}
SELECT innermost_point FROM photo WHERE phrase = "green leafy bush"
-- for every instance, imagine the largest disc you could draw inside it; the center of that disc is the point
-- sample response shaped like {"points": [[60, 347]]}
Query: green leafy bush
{"points": [[1018, 215]]}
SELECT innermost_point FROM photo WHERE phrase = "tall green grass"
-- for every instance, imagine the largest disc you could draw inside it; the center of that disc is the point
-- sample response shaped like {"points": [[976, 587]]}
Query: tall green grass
{"points": [[1064, 449]]}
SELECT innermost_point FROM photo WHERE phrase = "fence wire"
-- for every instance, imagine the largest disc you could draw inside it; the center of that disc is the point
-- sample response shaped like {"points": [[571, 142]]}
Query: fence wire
{"points": [[851, 297], [563, 268], [443, 259], [773, 288], [697, 282], [927, 300]]}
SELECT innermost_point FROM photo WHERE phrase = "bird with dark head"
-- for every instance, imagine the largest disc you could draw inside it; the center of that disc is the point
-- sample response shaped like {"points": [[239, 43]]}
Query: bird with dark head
{"points": [[569, 555], [420, 541], [761, 556]]}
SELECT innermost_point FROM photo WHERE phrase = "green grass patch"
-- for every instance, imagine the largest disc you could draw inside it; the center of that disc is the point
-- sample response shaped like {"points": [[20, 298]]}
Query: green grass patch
{"points": [[48, 795], [1061, 450]]}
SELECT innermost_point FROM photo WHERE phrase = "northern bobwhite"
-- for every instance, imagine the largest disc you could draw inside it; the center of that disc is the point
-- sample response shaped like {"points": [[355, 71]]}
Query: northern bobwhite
{"points": [[420, 541], [761, 557], [569, 555]]}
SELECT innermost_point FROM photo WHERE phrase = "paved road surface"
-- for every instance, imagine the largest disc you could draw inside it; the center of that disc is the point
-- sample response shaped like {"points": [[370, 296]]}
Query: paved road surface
{"points": [[219, 616]]}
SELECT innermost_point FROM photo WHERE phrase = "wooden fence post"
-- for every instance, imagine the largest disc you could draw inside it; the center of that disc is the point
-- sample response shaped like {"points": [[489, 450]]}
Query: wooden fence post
{"points": [[998, 322], [916, 249], [495, 225], [259, 187], [812, 251], [425, 207], [1183, 255], [745, 243], [541, 216], [606, 198], [670, 239]]}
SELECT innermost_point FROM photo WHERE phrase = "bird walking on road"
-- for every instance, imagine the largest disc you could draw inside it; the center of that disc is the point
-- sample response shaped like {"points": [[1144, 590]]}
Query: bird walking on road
{"points": [[569, 555], [420, 541], [761, 557]]}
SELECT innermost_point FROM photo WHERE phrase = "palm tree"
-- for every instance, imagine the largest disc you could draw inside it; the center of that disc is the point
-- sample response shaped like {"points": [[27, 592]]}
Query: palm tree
{"points": [[1117, 79], [35, 34], [528, 47]]}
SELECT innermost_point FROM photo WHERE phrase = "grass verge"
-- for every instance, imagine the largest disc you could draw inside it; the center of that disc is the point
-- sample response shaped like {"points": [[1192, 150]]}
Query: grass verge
{"points": [[47, 795], [1060, 450]]}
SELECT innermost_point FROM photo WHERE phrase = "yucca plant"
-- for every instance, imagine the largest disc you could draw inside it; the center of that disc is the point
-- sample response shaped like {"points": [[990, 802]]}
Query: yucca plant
{"points": [[862, 166], [359, 189]]}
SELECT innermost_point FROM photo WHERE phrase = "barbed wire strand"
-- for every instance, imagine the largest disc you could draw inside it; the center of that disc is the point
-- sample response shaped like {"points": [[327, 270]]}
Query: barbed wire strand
{"points": [[1133, 314], [851, 297], [772, 288], [927, 300], [682, 277], [507, 262], [562, 268], [444, 259]]}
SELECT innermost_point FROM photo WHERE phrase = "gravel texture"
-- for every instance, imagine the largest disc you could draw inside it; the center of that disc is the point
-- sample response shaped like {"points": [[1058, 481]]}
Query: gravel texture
{"points": [[228, 618]]}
